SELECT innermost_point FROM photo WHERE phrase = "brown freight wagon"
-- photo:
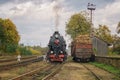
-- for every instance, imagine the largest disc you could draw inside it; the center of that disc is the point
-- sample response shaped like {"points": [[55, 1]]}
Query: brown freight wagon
{"points": [[81, 49]]}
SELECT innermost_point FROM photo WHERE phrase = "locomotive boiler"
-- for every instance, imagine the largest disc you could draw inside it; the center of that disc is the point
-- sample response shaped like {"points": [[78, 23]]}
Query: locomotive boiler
{"points": [[57, 48]]}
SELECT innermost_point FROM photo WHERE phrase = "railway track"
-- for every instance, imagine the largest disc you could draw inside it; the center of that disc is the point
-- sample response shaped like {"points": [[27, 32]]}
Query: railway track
{"points": [[14, 59], [53, 73], [44, 73], [10, 65], [94, 74]]}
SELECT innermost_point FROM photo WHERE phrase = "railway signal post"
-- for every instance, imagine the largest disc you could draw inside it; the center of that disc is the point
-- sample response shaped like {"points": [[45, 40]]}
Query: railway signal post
{"points": [[91, 7]]}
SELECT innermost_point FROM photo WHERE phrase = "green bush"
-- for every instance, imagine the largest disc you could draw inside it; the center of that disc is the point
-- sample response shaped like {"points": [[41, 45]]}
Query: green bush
{"points": [[24, 51], [11, 48], [117, 50]]}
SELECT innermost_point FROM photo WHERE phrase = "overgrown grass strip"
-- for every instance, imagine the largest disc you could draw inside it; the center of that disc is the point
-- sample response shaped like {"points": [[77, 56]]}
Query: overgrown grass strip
{"points": [[108, 68]]}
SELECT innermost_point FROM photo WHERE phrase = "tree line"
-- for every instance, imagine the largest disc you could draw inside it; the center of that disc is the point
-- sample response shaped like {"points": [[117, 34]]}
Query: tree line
{"points": [[9, 40]]}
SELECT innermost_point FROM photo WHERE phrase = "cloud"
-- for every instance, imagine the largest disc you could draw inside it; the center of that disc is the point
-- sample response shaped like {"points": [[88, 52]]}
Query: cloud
{"points": [[36, 22], [35, 19], [4, 1], [109, 15]]}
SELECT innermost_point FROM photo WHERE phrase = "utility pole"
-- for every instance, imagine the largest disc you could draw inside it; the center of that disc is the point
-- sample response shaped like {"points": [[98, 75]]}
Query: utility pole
{"points": [[91, 7]]}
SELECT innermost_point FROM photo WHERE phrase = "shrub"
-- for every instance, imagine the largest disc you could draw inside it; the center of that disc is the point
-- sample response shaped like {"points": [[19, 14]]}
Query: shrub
{"points": [[24, 51]]}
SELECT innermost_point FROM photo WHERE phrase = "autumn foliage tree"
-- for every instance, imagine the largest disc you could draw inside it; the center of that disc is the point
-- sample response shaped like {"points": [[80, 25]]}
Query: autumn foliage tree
{"points": [[78, 24], [104, 33], [9, 36], [118, 28], [116, 44]]}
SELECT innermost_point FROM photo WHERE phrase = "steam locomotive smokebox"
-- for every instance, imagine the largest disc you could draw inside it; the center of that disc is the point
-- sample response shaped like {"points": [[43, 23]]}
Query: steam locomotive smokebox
{"points": [[57, 48]]}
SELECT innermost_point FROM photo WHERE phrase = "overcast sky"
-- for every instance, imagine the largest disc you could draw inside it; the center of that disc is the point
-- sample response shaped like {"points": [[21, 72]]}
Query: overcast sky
{"points": [[35, 19]]}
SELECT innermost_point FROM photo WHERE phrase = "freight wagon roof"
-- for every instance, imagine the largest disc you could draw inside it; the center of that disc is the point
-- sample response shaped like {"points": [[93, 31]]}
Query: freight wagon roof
{"points": [[83, 39], [87, 39]]}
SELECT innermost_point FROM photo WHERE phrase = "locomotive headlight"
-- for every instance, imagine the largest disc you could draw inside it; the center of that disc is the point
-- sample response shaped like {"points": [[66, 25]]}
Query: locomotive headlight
{"points": [[56, 36], [51, 52], [61, 51]]}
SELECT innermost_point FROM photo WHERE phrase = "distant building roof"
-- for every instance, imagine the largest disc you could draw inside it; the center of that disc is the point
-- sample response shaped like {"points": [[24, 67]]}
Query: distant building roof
{"points": [[103, 40]]}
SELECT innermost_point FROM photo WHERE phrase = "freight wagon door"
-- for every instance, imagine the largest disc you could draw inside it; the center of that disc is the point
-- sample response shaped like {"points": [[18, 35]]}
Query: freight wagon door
{"points": [[83, 50]]}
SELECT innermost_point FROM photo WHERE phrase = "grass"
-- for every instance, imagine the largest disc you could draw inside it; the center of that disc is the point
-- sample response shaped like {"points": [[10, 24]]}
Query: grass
{"points": [[21, 70], [108, 68]]}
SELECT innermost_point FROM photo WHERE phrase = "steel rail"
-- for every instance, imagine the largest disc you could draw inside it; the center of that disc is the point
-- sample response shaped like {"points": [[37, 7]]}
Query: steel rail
{"points": [[97, 77]]}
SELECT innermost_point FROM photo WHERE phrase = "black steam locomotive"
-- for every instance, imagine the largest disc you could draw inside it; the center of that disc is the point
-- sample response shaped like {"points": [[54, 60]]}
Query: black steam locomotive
{"points": [[57, 48]]}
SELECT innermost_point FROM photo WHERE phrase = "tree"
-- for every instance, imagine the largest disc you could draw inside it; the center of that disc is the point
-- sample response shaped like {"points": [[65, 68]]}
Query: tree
{"points": [[118, 28], [78, 24], [116, 44], [104, 33], [9, 36]]}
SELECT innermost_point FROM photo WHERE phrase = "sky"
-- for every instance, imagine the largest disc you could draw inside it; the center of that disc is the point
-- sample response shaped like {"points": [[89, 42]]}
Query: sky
{"points": [[36, 19]]}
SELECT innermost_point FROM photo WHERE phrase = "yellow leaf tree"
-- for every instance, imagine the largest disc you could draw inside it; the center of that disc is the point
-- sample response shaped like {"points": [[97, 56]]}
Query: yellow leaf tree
{"points": [[9, 36]]}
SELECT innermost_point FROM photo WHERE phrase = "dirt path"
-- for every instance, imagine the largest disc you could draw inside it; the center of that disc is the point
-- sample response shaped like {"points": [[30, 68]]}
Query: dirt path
{"points": [[76, 71]]}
